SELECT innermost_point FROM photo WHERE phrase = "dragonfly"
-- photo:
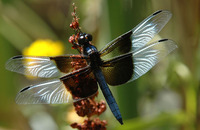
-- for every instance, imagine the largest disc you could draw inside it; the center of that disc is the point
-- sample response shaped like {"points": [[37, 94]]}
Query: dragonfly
{"points": [[131, 56]]}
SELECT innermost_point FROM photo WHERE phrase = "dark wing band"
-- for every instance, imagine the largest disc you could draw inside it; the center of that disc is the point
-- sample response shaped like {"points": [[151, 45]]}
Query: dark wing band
{"points": [[138, 36], [143, 60], [120, 45], [63, 90], [118, 70], [46, 67]]}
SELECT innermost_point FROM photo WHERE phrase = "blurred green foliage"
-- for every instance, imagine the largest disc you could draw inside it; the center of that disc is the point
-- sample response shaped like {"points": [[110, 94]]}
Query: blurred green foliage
{"points": [[167, 97]]}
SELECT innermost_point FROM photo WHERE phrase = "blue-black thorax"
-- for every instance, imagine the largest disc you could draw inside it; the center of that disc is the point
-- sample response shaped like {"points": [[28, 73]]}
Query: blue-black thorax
{"points": [[93, 53]]}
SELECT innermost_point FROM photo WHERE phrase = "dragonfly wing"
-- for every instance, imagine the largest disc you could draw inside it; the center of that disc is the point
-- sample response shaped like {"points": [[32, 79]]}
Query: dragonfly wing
{"points": [[45, 67], [148, 56], [50, 92], [148, 28], [120, 45], [143, 60], [118, 70], [82, 85], [138, 36], [59, 91]]}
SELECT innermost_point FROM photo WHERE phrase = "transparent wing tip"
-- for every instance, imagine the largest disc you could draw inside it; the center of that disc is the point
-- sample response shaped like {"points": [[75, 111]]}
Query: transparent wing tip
{"points": [[170, 44], [9, 63], [20, 98]]}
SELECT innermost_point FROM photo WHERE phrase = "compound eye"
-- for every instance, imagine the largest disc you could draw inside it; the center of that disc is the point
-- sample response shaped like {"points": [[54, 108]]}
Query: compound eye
{"points": [[81, 39], [89, 36]]}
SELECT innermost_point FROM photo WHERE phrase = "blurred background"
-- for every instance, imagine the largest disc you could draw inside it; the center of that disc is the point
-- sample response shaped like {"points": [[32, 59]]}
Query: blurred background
{"points": [[166, 98]]}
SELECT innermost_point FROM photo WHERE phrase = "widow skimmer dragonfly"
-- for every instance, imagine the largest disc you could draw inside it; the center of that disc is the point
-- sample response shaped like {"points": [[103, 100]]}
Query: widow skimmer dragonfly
{"points": [[131, 58]]}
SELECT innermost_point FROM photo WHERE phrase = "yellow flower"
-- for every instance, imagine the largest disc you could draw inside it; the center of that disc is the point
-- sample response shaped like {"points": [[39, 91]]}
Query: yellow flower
{"points": [[44, 48]]}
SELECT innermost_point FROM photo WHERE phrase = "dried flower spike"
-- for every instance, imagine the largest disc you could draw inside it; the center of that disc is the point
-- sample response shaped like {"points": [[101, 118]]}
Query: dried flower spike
{"points": [[88, 106]]}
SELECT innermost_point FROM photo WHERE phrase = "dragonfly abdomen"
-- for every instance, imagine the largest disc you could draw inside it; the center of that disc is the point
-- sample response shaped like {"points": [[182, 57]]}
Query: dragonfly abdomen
{"points": [[108, 94]]}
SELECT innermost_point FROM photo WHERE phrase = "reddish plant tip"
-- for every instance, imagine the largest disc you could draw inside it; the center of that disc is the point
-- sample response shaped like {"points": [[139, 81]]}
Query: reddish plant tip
{"points": [[89, 107], [75, 24], [71, 39], [95, 124]]}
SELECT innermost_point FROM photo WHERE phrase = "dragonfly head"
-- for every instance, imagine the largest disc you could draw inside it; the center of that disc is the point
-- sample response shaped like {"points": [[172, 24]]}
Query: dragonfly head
{"points": [[84, 38]]}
